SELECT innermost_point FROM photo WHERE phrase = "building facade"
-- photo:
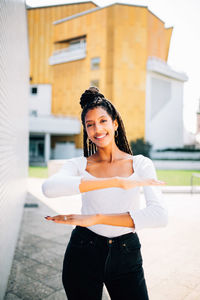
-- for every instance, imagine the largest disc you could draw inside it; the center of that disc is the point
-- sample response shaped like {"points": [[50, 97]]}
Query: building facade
{"points": [[113, 48], [14, 84], [52, 134]]}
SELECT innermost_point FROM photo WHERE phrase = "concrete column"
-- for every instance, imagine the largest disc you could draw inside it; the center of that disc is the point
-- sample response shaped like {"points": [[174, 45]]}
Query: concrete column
{"points": [[47, 147]]}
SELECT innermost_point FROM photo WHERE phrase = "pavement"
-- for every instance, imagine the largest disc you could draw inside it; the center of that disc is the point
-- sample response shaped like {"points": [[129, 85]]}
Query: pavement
{"points": [[171, 255]]}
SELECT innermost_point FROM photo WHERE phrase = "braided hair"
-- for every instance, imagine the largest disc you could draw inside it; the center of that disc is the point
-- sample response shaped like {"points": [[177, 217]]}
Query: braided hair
{"points": [[91, 99]]}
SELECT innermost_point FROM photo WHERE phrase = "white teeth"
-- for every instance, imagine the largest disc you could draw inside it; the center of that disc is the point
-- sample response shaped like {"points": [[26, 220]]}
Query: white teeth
{"points": [[100, 137]]}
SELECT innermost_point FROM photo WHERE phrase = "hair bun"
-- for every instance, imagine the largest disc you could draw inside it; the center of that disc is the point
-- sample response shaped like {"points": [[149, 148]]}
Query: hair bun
{"points": [[89, 96]]}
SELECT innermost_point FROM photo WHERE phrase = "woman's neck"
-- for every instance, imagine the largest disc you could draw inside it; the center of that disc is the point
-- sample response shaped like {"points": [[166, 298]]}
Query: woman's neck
{"points": [[109, 154]]}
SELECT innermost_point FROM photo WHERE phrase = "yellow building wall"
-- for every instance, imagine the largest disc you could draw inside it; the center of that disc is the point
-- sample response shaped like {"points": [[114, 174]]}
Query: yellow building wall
{"points": [[129, 74], [71, 79], [168, 34], [123, 36], [40, 33], [110, 51], [158, 37], [138, 35]]}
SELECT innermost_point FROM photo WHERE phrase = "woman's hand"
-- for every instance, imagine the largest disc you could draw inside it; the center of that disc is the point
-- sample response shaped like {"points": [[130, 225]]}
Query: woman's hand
{"points": [[129, 183], [81, 220]]}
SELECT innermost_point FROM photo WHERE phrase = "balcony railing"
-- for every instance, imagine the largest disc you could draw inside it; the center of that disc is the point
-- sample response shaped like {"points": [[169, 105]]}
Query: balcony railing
{"points": [[68, 54]]}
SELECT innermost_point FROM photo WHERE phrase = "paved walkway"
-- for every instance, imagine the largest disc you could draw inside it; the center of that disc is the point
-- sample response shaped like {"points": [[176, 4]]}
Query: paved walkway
{"points": [[171, 255]]}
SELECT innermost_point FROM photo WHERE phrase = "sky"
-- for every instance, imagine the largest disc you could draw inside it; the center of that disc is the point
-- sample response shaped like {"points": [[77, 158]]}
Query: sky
{"points": [[184, 52]]}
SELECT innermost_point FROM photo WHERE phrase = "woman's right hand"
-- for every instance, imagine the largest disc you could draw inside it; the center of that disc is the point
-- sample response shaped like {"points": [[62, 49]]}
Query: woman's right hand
{"points": [[129, 183]]}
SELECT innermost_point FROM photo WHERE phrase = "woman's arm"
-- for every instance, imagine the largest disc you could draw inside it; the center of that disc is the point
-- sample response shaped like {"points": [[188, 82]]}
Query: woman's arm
{"points": [[63, 183], [155, 214], [67, 182], [97, 183], [123, 219]]}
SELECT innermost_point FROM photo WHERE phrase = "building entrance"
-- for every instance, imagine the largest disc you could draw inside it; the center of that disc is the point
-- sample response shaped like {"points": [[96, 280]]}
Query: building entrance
{"points": [[36, 150]]}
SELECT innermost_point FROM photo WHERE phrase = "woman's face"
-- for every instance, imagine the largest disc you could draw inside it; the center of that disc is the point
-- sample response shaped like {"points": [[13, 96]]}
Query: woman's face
{"points": [[100, 127]]}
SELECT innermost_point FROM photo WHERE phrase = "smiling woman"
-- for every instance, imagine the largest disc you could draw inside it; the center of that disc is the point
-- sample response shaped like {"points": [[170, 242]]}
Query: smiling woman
{"points": [[104, 246], [108, 122], [100, 128]]}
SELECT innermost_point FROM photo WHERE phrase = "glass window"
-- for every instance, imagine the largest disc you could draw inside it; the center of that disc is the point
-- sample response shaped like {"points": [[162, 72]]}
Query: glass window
{"points": [[33, 113], [34, 90], [95, 63], [94, 83], [76, 44]]}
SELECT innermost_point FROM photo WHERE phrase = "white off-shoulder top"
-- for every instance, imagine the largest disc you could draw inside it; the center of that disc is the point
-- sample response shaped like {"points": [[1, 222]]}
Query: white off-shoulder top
{"points": [[112, 200]]}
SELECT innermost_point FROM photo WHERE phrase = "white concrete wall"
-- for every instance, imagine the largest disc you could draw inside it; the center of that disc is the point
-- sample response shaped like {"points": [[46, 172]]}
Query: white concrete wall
{"points": [[40, 102], [64, 150], [54, 125], [14, 75], [164, 122]]}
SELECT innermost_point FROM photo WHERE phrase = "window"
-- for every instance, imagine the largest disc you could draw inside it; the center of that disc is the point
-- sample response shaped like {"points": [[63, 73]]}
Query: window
{"points": [[77, 44], [33, 113], [34, 90], [69, 50], [95, 63], [94, 83]]}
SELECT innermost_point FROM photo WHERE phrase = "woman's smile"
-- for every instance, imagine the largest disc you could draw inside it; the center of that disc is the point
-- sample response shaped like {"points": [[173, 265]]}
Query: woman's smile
{"points": [[100, 127], [100, 137]]}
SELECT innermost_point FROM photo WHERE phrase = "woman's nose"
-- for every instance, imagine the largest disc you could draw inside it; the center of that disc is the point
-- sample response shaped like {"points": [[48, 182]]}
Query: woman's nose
{"points": [[98, 128]]}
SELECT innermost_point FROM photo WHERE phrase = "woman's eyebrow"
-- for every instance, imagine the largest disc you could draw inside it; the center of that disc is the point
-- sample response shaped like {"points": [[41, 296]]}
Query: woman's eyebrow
{"points": [[98, 118]]}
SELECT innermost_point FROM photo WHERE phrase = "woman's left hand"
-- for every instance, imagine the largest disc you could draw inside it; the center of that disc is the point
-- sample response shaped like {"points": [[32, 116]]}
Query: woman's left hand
{"points": [[81, 220]]}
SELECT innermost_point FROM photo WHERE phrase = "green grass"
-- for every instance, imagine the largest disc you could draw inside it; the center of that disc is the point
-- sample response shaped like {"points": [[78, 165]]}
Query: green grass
{"points": [[178, 177], [171, 177], [40, 172]]}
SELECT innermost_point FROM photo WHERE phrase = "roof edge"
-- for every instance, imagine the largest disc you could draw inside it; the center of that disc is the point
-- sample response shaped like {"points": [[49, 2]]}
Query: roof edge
{"points": [[28, 7], [160, 66], [159, 18], [95, 9], [129, 4]]}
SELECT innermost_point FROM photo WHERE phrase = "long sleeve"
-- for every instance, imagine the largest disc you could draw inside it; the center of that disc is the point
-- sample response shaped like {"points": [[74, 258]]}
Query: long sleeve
{"points": [[65, 182], [155, 214]]}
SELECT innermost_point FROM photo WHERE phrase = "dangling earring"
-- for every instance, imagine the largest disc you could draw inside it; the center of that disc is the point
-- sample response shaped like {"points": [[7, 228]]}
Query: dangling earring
{"points": [[87, 141], [116, 133], [89, 146]]}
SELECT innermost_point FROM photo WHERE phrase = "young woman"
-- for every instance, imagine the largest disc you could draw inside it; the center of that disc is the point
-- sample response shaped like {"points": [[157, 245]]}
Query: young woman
{"points": [[104, 247]]}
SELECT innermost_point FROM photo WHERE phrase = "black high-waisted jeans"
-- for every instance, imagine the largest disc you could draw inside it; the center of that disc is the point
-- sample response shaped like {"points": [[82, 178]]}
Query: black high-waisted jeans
{"points": [[92, 260]]}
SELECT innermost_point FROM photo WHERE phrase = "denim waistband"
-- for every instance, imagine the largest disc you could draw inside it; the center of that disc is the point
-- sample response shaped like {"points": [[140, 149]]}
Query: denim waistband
{"points": [[93, 235]]}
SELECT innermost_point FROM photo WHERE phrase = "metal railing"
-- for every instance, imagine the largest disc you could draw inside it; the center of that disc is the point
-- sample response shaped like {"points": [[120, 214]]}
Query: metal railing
{"points": [[81, 46], [194, 175], [68, 54]]}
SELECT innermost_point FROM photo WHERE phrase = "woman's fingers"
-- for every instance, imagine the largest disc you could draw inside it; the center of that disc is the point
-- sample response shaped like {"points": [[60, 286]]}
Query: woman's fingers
{"points": [[59, 218], [158, 182], [128, 184], [81, 220], [152, 182]]}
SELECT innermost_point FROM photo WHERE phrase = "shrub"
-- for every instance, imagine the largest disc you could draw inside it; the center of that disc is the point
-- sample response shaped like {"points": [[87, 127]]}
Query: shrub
{"points": [[184, 149], [139, 146]]}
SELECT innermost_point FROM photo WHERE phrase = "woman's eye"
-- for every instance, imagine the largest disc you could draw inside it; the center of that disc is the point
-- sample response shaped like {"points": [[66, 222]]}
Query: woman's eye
{"points": [[102, 121]]}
